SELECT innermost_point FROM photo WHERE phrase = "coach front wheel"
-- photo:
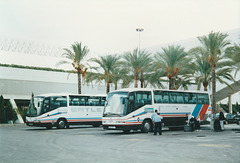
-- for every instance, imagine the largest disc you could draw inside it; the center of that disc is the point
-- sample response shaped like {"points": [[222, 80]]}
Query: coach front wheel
{"points": [[146, 126], [61, 123]]}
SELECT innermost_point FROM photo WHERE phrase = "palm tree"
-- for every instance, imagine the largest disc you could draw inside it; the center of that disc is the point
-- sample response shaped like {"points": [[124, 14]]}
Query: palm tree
{"points": [[137, 63], [173, 61], [233, 52], [203, 69], [154, 78], [121, 74], [107, 70], [183, 81], [146, 72], [215, 45], [75, 56]]}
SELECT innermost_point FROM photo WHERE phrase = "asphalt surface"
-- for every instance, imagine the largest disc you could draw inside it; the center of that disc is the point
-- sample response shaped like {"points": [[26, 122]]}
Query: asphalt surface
{"points": [[20, 143]]}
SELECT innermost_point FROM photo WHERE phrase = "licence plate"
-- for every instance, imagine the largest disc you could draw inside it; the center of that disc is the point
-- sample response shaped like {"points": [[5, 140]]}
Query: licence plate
{"points": [[111, 126], [30, 124]]}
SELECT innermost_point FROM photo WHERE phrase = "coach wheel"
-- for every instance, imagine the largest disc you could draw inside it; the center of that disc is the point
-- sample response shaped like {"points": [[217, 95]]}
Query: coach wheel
{"points": [[61, 123], [146, 126]]}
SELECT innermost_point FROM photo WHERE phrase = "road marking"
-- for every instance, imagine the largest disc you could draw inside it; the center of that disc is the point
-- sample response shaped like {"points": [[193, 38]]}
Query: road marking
{"points": [[215, 145], [43, 132], [137, 139], [85, 135]]}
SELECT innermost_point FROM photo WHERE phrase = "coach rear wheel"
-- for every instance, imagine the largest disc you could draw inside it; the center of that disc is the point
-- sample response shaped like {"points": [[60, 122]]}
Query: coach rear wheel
{"points": [[146, 126], [61, 123]]}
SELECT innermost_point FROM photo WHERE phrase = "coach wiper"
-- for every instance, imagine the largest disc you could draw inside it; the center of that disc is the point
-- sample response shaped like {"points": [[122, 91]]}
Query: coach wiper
{"points": [[116, 114], [105, 114]]}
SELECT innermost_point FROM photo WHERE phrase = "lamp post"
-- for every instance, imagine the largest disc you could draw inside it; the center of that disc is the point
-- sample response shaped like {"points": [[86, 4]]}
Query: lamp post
{"points": [[139, 30]]}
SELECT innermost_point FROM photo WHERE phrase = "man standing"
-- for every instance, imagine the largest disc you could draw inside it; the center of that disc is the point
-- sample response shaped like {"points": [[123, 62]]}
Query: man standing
{"points": [[221, 119], [157, 121], [212, 117]]}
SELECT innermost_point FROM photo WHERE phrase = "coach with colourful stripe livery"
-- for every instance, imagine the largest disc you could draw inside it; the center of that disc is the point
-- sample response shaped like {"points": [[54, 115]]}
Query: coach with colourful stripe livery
{"points": [[131, 109]]}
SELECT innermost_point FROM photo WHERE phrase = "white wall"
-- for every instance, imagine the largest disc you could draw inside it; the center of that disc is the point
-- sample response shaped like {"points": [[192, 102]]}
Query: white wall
{"points": [[24, 82]]}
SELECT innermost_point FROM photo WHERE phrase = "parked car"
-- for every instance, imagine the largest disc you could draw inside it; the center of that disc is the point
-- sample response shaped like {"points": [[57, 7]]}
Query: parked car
{"points": [[230, 118]]}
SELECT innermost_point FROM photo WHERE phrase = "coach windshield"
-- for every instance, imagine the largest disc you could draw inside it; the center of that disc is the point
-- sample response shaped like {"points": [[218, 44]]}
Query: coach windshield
{"points": [[34, 106], [116, 104]]}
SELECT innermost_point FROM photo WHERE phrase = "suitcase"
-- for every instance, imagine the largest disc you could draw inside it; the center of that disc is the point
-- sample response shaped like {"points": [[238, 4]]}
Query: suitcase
{"points": [[187, 128], [217, 126]]}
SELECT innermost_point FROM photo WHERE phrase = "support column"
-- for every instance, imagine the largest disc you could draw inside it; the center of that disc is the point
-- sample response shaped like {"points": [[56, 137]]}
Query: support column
{"points": [[14, 106], [230, 103]]}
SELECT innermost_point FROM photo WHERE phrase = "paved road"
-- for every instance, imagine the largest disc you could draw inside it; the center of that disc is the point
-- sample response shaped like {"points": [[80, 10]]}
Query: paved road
{"points": [[87, 144]]}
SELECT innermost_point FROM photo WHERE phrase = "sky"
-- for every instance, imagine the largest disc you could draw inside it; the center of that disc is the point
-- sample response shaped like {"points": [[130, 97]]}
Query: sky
{"points": [[109, 26]]}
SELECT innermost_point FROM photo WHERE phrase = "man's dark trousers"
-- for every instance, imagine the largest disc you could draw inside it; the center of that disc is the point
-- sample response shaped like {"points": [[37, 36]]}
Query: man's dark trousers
{"points": [[158, 128]]}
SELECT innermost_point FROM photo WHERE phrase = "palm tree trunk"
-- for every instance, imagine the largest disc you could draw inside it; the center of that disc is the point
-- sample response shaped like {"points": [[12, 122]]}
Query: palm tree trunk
{"points": [[79, 83], [205, 88], [116, 86], [142, 80], [205, 85], [214, 90], [142, 86], [171, 83], [136, 81], [108, 88]]}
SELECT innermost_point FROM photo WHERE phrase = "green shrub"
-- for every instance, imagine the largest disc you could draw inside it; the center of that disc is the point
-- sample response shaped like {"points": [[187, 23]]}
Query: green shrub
{"points": [[235, 108], [6, 111], [1, 109], [34, 68], [12, 115]]}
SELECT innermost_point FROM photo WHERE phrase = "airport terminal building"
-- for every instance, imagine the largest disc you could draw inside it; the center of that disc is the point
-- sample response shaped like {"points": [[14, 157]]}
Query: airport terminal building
{"points": [[18, 84]]}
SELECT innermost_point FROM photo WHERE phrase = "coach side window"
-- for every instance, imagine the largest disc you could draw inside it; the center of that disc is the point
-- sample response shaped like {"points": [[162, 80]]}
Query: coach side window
{"points": [[46, 106], [93, 101], [102, 101], [161, 97], [190, 98], [176, 97], [58, 101], [138, 99], [77, 100], [131, 102], [203, 99], [54, 102], [142, 98]]}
